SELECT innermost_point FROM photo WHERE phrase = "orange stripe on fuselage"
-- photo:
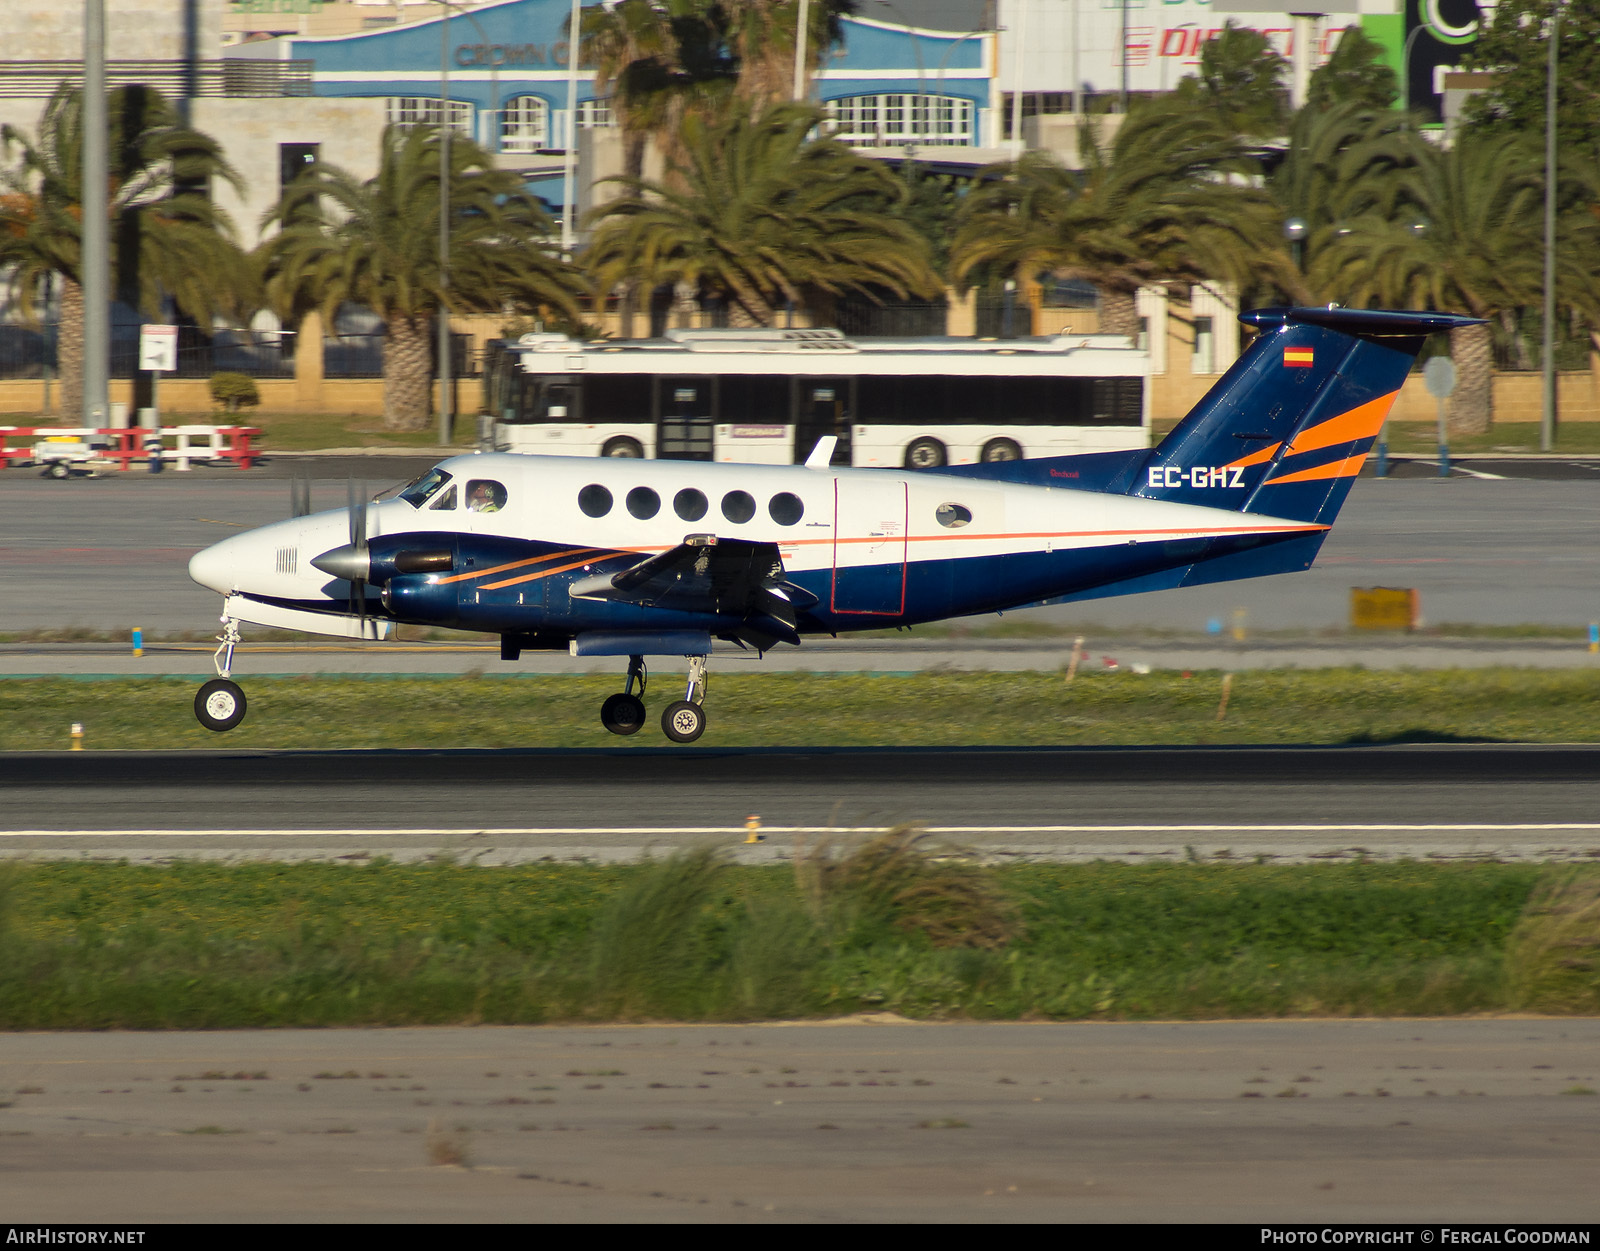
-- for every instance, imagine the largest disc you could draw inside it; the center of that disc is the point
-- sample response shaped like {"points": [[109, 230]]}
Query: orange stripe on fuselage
{"points": [[516, 564], [543, 573], [1347, 468], [1361, 422]]}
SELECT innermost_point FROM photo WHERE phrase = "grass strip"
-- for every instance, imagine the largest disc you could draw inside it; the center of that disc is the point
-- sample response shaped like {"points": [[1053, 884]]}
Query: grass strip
{"points": [[885, 928], [1323, 706]]}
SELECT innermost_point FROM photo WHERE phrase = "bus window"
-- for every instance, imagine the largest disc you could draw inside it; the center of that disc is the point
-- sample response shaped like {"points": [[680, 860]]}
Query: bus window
{"points": [[1118, 401], [611, 398], [738, 506], [690, 504], [643, 503], [594, 500]]}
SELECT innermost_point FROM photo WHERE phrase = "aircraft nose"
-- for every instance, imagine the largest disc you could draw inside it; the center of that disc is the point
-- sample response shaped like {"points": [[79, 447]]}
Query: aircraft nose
{"points": [[214, 568]]}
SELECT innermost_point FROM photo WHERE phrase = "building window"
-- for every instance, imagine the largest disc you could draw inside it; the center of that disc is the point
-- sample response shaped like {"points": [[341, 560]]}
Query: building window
{"points": [[525, 125], [425, 111], [293, 160], [901, 119], [1205, 347], [595, 115]]}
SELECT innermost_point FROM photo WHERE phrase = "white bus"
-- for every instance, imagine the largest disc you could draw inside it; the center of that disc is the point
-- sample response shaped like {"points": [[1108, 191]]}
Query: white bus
{"points": [[766, 396]]}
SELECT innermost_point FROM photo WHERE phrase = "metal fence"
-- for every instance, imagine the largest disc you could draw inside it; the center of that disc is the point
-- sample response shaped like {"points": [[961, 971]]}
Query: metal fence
{"points": [[30, 352], [1519, 346], [897, 319]]}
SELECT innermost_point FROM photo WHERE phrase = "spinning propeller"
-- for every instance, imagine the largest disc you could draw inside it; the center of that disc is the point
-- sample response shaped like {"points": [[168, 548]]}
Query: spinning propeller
{"points": [[353, 562]]}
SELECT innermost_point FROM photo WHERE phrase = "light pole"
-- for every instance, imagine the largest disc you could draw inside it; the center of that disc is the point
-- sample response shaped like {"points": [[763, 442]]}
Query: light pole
{"points": [[1295, 231], [444, 227], [1405, 71], [1547, 415], [801, 30], [445, 129], [569, 157], [96, 273]]}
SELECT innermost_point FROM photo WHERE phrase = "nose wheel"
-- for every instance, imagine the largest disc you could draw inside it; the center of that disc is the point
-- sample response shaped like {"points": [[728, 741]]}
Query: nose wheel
{"points": [[220, 705], [685, 721]]}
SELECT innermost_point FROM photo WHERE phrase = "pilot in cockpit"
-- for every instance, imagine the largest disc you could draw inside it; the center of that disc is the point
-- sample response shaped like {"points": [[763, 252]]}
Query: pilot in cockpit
{"points": [[484, 496]]}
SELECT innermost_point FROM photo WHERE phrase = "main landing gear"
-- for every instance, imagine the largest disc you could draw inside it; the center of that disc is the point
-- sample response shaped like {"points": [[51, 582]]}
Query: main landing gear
{"points": [[220, 705], [682, 721]]}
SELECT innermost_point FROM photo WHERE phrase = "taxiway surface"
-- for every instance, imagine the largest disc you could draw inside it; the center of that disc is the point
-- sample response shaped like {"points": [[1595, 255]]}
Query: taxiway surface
{"points": [[1339, 1121]]}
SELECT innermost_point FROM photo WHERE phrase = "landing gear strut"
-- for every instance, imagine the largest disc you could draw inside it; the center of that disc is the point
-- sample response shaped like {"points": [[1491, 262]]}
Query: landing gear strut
{"points": [[685, 721], [220, 705], [624, 713]]}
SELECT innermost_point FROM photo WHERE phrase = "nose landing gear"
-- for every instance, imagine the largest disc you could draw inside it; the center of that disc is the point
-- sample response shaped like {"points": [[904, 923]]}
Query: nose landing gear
{"points": [[623, 713], [220, 704], [685, 721]]}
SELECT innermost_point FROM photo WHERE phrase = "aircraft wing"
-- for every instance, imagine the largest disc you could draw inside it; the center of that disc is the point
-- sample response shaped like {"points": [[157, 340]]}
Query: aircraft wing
{"points": [[735, 578]]}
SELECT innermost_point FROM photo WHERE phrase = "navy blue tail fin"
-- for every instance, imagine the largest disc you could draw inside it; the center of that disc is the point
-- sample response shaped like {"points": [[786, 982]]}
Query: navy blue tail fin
{"points": [[1285, 431]]}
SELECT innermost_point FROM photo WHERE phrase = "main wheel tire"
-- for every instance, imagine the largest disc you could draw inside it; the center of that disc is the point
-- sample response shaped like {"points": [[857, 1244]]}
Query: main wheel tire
{"points": [[925, 454], [219, 705], [1000, 449], [629, 448], [622, 714], [683, 722]]}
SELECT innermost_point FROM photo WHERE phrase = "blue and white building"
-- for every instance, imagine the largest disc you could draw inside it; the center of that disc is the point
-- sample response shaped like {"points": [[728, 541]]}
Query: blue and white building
{"points": [[887, 86]]}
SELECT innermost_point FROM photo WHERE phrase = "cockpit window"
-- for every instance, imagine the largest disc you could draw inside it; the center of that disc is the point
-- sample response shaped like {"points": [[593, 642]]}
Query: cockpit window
{"points": [[485, 496], [445, 500], [419, 491]]}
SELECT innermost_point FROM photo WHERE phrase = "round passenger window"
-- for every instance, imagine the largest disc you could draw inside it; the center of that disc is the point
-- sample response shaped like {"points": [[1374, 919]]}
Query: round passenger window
{"points": [[786, 509], [643, 503], [738, 506], [953, 516], [690, 504], [595, 500]]}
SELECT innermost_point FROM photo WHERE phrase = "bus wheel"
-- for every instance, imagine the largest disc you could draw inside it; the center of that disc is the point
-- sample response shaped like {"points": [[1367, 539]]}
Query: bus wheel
{"points": [[623, 447], [925, 454], [1000, 449]]}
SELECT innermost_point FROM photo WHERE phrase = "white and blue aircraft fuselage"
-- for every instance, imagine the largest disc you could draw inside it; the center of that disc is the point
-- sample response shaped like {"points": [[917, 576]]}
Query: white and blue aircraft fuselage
{"points": [[633, 558]]}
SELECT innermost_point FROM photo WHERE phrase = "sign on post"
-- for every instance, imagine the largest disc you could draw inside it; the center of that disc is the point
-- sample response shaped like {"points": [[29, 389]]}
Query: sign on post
{"points": [[158, 348], [1439, 376]]}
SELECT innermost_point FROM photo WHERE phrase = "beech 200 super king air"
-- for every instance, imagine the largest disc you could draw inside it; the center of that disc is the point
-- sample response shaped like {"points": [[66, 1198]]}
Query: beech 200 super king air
{"points": [[635, 558]]}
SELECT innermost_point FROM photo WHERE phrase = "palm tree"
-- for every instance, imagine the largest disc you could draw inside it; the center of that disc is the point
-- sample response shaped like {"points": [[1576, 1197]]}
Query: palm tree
{"points": [[1461, 229], [167, 236], [1336, 157], [760, 213], [662, 60], [761, 35], [376, 243], [658, 61], [1163, 203]]}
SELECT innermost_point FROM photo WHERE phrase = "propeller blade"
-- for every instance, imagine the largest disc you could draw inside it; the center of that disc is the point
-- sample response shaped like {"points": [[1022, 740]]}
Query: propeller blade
{"points": [[358, 546], [299, 495]]}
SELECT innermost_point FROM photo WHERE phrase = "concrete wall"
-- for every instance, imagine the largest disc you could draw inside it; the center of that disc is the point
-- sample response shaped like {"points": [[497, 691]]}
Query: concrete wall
{"points": [[250, 131], [136, 30]]}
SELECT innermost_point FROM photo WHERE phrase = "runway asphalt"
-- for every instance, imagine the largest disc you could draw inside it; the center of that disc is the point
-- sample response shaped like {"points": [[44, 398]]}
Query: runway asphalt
{"points": [[1440, 802], [1267, 1122]]}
